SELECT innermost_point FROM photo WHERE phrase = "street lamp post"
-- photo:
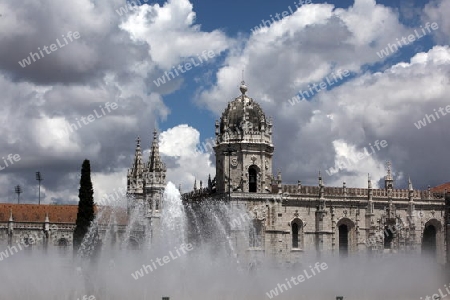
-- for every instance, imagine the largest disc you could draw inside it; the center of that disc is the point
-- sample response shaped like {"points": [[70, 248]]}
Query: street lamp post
{"points": [[39, 178], [18, 190]]}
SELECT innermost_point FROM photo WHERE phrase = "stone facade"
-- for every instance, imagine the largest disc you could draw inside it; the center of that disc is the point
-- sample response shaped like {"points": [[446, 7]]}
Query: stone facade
{"points": [[292, 220], [50, 227], [288, 221], [31, 226]]}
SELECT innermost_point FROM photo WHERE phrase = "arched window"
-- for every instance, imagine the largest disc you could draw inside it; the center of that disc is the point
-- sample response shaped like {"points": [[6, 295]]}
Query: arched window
{"points": [[63, 244], [296, 227], [252, 184], [429, 240], [388, 237], [343, 240], [294, 235], [132, 244]]}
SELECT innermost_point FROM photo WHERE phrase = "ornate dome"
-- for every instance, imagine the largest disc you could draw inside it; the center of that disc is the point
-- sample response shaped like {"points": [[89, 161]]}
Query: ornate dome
{"points": [[243, 115]]}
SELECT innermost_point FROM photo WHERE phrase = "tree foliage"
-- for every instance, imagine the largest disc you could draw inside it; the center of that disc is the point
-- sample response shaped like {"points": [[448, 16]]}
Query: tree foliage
{"points": [[85, 214]]}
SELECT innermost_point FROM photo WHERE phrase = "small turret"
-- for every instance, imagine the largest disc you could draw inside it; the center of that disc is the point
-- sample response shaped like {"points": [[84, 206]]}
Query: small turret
{"points": [[410, 190], [344, 189], [411, 206], [10, 228], [10, 222], [369, 186], [388, 179], [46, 223], [321, 187]]}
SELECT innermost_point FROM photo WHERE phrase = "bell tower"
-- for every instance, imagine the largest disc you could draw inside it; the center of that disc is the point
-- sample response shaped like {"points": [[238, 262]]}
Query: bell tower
{"points": [[244, 147]]}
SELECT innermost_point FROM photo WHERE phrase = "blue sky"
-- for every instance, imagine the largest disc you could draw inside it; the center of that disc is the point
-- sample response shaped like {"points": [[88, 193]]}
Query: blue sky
{"points": [[117, 58]]}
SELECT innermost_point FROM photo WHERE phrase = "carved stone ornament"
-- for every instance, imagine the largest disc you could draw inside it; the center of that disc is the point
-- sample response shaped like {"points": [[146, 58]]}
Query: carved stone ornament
{"points": [[259, 212], [234, 162]]}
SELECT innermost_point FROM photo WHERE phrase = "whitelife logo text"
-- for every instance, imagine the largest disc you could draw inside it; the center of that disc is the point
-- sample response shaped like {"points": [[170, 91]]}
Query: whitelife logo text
{"points": [[34, 56]]}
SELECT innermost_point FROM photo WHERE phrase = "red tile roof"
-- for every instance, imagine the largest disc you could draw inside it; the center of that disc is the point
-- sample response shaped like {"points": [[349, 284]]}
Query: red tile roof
{"points": [[35, 213], [441, 188]]}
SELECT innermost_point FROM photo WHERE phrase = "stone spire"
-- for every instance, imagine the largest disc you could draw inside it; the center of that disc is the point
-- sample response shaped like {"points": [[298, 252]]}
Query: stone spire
{"points": [[370, 205], [410, 190], [46, 224], [135, 174], [155, 163], [411, 206], [138, 165], [388, 179], [369, 186], [10, 226], [321, 187], [154, 180]]}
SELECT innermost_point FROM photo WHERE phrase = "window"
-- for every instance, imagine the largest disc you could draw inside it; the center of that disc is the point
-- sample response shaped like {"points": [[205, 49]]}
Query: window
{"points": [[388, 237], [429, 240], [343, 240], [297, 232], [252, 184], [63, 244], [295, 235], [255, 239]]}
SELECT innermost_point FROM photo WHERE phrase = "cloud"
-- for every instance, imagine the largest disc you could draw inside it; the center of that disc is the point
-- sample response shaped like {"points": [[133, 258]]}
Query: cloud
{"points": [[171, 34], [112, 61], [182, 143], [438, 11]]}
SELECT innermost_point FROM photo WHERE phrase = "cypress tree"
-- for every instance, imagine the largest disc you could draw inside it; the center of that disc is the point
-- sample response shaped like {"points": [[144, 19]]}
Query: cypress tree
{"points": [[85, 214]]}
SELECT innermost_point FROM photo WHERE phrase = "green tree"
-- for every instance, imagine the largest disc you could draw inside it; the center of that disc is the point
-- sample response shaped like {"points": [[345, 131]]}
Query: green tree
{"points": [[85, 214]]}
